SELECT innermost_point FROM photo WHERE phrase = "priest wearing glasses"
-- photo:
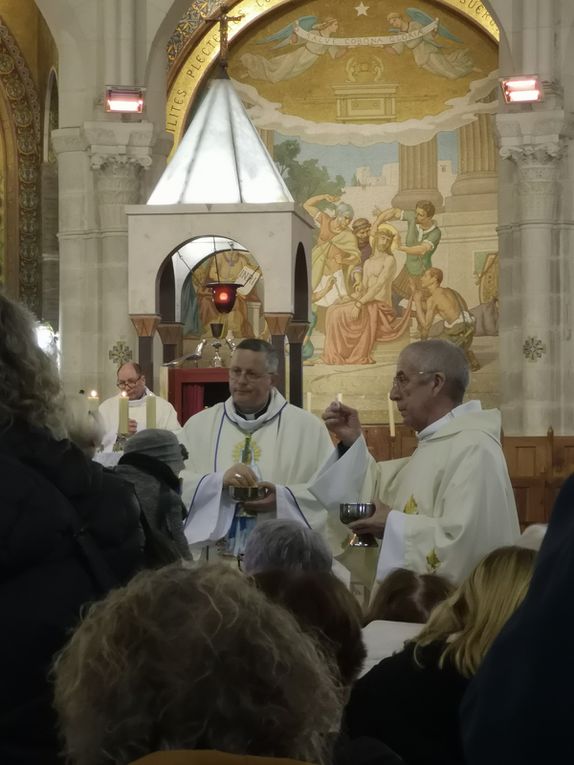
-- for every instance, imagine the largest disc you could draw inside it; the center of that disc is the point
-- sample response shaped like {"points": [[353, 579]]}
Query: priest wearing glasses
{"points": [[142, 412], [449, 504], [253, 438]]}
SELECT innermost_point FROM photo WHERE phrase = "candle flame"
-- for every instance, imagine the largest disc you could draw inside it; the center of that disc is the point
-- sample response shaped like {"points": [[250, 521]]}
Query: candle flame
{"points": [[123, 394], [93, 394]]}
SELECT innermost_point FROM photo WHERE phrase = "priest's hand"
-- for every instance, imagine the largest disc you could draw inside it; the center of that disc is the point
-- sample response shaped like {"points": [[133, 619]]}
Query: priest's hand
{"points": [[374, 525], [266, 505], [239, 475], [343, 421], [132, 427]]}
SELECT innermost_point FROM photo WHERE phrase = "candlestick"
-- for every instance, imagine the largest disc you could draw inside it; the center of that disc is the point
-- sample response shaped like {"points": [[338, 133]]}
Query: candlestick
{"points": [[340, 398], [150, 412], [164, 382], [309, 398], [391, 416], [123, 414]]}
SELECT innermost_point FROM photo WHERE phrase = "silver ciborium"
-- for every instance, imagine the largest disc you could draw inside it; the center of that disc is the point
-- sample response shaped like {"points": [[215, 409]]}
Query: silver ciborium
{"points": [[356, 511]]}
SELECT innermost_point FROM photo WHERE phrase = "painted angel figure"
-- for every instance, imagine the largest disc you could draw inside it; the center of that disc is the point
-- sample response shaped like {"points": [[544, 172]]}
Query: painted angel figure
{"points": [[427, 53], [289, 65]]}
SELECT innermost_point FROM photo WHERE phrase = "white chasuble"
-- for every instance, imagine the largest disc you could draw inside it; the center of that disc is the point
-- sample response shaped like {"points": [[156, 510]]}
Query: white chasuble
{"points": [[166, 416], [287, 445], [452, 501]]}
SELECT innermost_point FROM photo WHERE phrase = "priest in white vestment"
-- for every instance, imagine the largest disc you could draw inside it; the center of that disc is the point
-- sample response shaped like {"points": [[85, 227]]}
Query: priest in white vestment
{"points": [[255, 437], [449, 504], [132, 382]]}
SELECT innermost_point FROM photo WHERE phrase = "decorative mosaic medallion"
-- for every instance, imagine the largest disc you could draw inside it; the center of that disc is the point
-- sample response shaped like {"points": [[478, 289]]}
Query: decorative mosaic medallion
{"points": [[120, 353], [533, 348]]}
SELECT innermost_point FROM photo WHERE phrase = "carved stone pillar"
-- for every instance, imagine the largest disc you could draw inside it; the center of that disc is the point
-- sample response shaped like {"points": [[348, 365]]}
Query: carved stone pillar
{"points": [[171, 334], [476, 184], [145, 325], [532, 321], [277, 323], [296, 332], [418, 176]]}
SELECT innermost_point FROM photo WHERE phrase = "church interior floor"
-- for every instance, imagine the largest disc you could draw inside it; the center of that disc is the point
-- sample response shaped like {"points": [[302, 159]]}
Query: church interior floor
{"points": [[365, 387]]}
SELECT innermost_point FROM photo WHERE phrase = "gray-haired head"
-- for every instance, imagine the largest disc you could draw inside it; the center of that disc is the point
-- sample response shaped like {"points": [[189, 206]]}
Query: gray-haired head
{"points": [[442, 356], [84, 426], [261, 346], [285, 545]]}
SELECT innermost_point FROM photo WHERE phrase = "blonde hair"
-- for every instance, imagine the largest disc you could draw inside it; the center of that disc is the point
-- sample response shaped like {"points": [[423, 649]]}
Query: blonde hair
{"points": [[30, 387], [84, 426], [387, 230], [193, 659], [471, 618]]}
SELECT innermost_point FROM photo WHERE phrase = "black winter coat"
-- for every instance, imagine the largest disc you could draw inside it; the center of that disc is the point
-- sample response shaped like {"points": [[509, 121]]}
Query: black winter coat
{"points": [[47, 489]]}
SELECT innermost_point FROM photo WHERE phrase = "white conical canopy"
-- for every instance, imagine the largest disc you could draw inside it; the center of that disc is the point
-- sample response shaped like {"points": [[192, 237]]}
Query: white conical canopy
{"points": [[221, 158]]}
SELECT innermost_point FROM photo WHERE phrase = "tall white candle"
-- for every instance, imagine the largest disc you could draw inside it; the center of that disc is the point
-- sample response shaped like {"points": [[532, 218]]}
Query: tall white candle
{"points": [[150, 412], [93, 401], [391, 416], [164, 382], [123, 414]]}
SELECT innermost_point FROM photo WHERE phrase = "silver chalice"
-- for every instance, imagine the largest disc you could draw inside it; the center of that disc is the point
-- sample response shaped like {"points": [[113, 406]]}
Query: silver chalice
{"points": [[355, 511]]}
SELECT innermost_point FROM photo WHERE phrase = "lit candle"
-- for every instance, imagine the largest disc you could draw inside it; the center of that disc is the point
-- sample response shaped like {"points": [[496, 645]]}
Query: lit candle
{"points": [[123, 414], [93, 401], [309, 398], [391, 416], [150, 412], [164, 382], [340, 398]]}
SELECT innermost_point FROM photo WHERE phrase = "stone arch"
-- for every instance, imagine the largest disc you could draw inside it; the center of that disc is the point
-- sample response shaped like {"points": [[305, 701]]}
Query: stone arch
{"points": [[20, 117]]}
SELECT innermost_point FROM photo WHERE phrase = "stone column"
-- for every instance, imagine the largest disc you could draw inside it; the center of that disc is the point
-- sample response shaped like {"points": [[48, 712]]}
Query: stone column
{"points": [[296, 332], [418, 176], [171, 334], [476, 184], [145, 326], [531, 329], [50, 248], [277, 323]]}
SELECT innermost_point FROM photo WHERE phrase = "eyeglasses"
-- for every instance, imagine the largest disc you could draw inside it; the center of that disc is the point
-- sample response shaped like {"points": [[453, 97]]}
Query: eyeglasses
{"points": [[128, 383], [236, 372], [401, 381]]}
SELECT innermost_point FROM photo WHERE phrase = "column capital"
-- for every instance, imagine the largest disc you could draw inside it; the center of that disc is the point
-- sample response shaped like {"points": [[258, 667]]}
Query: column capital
{"points": [[145, 323], [534, 136], [277, 322], [171, 332], [296, 331]]}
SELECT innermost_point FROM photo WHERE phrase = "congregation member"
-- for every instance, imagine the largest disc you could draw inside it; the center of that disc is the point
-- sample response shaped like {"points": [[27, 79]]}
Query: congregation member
{"points": [[151, 462], [518, 708], [69, 531], [194, 667], [145, 409], [84, 427], [402, 605], [451, 502], [253, 438], [284, 544], [411, 700]]}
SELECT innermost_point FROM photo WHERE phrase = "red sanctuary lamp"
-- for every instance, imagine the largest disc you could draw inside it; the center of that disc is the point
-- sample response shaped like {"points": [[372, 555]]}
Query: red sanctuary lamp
{"points": [[223, 295]]}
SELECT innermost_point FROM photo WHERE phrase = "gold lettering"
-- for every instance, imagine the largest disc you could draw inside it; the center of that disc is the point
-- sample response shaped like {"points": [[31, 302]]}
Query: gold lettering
{"points": [[199, 59]]}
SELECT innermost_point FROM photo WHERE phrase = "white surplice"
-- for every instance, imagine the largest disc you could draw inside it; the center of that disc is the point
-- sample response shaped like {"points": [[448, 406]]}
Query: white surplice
{"points": [[451, 501], [166, 416], [288, 446]]}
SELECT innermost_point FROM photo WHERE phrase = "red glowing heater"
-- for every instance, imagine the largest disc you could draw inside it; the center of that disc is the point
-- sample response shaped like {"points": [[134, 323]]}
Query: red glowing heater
{"points": [[124, 99], [522, 90], [223, 295]]}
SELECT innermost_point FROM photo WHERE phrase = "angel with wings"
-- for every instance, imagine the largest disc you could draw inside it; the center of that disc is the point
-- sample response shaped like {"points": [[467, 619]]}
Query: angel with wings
{"points": [[289, 65], [427, 53]]}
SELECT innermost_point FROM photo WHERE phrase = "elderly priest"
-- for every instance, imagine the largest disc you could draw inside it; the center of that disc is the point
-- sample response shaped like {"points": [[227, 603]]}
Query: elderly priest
{"points": [[449, 504]]}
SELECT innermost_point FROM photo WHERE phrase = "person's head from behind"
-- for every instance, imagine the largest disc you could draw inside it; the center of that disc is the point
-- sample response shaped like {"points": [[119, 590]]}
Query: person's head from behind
{"points": [[470, 619], [431, 379], [157, 444], [405, 596], [85, 427], [325, 609], [192, 659], [30, 388], [252, 374], [280, 544]]}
